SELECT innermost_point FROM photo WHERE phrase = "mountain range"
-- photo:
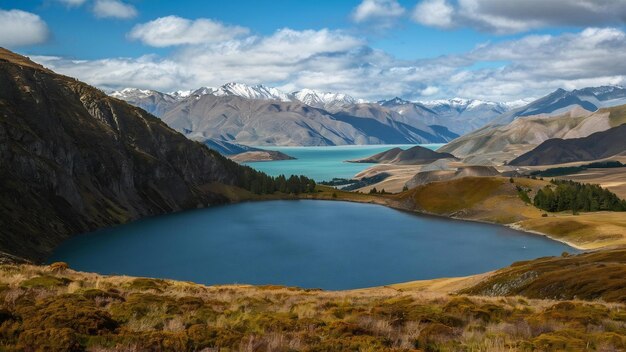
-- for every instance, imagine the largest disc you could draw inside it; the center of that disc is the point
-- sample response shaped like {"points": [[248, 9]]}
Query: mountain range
{"points": [[561, 114], [257, 115], [561, 101], [457, 115]]}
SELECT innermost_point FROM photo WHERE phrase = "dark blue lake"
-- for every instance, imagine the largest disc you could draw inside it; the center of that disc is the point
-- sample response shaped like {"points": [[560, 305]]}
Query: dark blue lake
{"points": [[325, 244]]}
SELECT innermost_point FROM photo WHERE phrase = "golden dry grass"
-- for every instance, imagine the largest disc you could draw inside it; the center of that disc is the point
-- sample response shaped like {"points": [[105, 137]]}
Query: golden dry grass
{"points": [[76, 311]]}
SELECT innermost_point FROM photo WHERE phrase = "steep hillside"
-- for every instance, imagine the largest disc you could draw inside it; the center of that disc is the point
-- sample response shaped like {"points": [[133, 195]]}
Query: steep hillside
{"points": [[413, 156], [75, 159], [599, 145]]}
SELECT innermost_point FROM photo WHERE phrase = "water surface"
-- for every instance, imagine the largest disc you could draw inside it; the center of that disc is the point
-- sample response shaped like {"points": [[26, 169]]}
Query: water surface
{"points": [[306, 243], [325, 163]]}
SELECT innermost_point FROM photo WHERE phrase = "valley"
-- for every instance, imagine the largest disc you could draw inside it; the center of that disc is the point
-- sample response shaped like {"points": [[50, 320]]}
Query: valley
{"points": [[124, 192]]}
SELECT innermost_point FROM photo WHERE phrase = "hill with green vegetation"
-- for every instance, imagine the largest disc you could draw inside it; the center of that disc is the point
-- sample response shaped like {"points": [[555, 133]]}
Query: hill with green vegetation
{"points": [[563, 195], [75, 160]]}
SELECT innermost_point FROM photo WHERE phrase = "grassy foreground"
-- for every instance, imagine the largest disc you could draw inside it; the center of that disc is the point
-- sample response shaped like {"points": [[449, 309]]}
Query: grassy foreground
{"points": [[56, 309]]}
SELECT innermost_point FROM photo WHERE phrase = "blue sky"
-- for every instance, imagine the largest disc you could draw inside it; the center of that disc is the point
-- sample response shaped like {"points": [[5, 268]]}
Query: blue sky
{"points": [[423, 49]]}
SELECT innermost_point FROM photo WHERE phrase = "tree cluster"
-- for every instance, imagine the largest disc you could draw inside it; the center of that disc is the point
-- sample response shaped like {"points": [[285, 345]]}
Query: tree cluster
{"points": [[260, 183], [569, 195]]}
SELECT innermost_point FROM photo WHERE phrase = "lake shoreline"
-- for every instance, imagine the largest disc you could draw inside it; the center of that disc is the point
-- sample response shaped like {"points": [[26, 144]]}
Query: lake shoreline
{"points": [[513, 226], [509, 249]]}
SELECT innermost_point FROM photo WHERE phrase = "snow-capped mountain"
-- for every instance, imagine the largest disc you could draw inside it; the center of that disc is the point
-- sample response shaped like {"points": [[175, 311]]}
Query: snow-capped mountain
{"points": [[325, 100], [181, 94], [461, 105], [457, 114], [152, 101], [148, 99], [260, 115], [561, 101], [134, 93], [259, 92]]}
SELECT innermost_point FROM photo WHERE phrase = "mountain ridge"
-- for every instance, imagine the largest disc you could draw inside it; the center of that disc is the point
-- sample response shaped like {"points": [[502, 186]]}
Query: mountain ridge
{"points": [[457, 114], [599, 145]]}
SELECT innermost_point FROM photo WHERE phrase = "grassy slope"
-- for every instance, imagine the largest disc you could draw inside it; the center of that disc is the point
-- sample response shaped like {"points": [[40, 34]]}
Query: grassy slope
{"points": [[48, 309], [590, 276], [495, 199]]}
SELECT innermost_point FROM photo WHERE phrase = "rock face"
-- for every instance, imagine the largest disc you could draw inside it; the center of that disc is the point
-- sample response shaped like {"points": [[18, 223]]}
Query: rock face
{"points": [[74, 159], [260, 155], [599, 145], [413, 156]]}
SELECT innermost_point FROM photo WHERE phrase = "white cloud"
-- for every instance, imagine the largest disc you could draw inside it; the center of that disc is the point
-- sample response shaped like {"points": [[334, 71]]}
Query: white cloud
{"points": [[21, 28], [113, 9], [436, 13], [428, 91], [377, 10], [174, 30], [519, 16], [72, 3], [332, 60]]}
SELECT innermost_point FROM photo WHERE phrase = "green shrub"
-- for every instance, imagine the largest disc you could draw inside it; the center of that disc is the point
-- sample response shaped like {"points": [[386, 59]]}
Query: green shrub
{"points": [[45, 282], [49, 340]]}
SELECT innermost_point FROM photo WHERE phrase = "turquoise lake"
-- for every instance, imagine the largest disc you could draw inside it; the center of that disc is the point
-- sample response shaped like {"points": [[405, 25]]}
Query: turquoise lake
{"points": [[324, 163], [306, 243]]}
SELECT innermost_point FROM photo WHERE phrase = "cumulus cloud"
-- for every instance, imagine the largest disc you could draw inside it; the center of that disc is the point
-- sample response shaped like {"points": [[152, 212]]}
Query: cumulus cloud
{"points": [[436, 13], [377, 10], [519, 16], [72, 3], [332, 60], [20, 28], [428, 91], [113, 9], [174, 30]]}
